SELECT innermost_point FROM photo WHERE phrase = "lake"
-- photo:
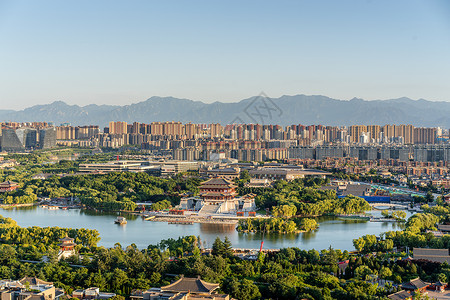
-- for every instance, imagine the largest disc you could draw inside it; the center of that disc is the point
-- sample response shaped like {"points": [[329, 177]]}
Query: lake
{"points": [[333, 231]]}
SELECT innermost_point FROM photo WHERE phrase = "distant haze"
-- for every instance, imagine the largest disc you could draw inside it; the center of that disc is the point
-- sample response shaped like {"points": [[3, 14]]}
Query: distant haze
{"points": [[286, 110], [121, 52]]}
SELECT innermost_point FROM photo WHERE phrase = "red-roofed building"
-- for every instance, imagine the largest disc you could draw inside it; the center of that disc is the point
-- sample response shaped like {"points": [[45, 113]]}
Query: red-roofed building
{"points": [[66, 247], [8, 186]]}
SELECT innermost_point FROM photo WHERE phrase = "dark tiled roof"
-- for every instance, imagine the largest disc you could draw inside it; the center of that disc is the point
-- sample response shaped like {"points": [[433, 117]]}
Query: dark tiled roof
{"points": [[228, 170], [402, 295], [216, 194], [440, 283], [444, 227], [415, 284], [210, 186], [66, 239], [217, 181], [9, 183], [67, 244], [436, 255], [193, 285], [34, 281]]}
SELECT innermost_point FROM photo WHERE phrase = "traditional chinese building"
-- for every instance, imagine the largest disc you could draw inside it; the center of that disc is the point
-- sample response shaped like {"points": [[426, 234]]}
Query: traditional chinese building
{"points": [[183, 289], [217, 190], [218, 195], [415, 284], [66, 247], [8, 186]]}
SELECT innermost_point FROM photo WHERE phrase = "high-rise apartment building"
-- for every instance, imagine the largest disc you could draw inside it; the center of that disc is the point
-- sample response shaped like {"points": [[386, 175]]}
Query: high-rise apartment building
{"points": [[216, 130], [424, 135], [356, 131], [118, 127]]}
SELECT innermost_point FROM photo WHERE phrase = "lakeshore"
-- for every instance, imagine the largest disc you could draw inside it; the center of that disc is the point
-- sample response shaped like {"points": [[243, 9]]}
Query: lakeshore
{"points": [[339, 233], [191, 220]]}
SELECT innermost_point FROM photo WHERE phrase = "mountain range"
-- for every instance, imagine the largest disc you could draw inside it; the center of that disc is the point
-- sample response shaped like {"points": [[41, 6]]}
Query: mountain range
{"points": [[285, 110]]}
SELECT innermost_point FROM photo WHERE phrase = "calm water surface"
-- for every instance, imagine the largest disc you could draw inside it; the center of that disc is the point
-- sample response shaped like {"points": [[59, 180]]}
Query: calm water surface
{"points": [[335, 232]]}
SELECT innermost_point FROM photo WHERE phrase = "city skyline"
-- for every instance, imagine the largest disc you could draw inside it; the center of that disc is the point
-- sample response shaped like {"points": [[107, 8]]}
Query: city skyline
{"points": [[113, 53]]}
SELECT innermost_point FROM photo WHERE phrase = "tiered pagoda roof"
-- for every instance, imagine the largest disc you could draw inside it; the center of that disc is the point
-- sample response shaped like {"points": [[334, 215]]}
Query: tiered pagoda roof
{"points": [[217, 189], [9, 183], [67, 242], [192, 285], [217, 183]]}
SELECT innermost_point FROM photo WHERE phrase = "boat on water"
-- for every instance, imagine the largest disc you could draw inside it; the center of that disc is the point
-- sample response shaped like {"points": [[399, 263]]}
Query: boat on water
{"points": [[121, 220], [149, 218]]}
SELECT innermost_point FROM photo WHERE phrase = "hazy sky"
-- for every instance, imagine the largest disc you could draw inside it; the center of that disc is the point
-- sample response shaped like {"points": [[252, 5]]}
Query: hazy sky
{"points": [[120, 52]]}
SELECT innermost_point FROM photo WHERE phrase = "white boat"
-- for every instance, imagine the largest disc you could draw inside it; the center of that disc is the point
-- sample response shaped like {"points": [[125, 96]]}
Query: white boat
{"points": [[120, 220]]}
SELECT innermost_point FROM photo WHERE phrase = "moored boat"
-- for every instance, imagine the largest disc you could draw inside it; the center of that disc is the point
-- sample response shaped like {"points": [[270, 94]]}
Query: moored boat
{"points": [[120, 220]]}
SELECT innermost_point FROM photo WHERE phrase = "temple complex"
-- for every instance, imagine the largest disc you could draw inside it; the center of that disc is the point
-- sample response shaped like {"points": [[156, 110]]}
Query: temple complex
{"points": [[183, 289], [218, 195]]}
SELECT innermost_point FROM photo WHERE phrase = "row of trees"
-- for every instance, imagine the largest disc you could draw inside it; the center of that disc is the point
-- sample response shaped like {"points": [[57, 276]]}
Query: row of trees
{"points": [[281, 225], [113, 191], [396, 214], [369, 243], [43, 239], [302, 197], [291, 273], [414, 235], [160, 205]]}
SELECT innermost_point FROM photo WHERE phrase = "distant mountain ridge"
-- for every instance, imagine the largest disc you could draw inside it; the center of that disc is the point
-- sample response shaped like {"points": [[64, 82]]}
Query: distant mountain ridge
{"points": [[285, 110]]}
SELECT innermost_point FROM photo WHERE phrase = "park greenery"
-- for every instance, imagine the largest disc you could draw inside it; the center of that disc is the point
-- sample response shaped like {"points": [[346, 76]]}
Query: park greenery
{"points": [[161, 205], [289, 273], [112, 191], [395, 214], [277, 224], [415, 234], [306, 197], [121, 191]]}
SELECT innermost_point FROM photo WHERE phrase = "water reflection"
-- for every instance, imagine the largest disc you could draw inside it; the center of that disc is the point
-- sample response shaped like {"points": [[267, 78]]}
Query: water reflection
{"points": [[309, 235], [213, 228], [89, 212], [335, 231], [269, 238]]}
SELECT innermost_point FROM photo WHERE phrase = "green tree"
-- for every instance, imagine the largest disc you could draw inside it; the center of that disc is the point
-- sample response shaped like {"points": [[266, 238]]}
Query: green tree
{"points": [[361, 272], [359, 243], [385, 272], [442, 277], [243, 290]]}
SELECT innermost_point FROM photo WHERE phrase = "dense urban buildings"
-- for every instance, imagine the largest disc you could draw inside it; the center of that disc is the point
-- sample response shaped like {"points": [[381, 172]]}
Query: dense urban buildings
{"points": [[17, 137], [256, 142], [217, 196], [244, 142]]}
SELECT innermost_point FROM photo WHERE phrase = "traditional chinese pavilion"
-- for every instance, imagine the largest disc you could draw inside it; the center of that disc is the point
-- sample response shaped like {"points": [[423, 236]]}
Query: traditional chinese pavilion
{"points": [[217, 189], [67, 245], [218, 195], [8, 186]]}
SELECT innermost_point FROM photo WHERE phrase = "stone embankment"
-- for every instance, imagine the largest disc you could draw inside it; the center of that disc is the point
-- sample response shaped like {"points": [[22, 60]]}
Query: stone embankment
{"points": [[191, 220]]}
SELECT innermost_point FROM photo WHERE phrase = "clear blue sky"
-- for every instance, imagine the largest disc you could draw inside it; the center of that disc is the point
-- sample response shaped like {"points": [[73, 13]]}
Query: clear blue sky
{"points": [[121, 52]]}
